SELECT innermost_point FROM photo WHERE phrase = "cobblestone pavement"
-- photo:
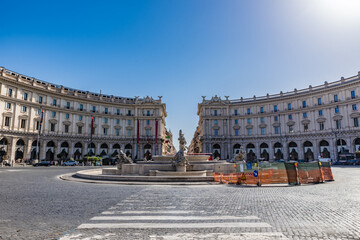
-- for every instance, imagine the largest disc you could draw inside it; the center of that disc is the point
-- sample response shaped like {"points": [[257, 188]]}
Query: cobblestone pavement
{"points": [[94, 211]]}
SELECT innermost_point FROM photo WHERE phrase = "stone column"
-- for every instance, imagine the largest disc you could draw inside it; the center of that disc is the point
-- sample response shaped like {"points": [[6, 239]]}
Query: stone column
{"points": [[349, 144], [316, 149], [300, 149], [333, 149], [27, 149], [12, 151], [271, 151], [97, 148], [257, 150], [42, 150], [85, 148], [71, 149]]}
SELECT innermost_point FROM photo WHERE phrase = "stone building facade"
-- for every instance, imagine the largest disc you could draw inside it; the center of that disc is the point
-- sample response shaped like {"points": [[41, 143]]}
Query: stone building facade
{"points": [[301, 124], [134, 125]]}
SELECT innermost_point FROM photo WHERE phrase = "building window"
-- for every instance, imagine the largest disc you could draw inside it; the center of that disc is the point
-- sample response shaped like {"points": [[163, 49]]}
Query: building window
{"points": [[305, 114], [235, 112], [147, 122], [38, 111], [236, 121], [216, 132], [25, 96], [40, 99], [336, 99], [118, 111], [290, 116], [248, 111], [129, 133], [106, 110], [105, 131], [8, 105], [117, 121], [291, 129], [215, 112], [81, 107], [66, 128], [276, 129], [338, 124], [148, 113], [7, 121], [249, 120], [80, 117], [129, 122], [93, 109], [236, 132], [215, 122], [117, 132], [79, 129], [249, 131], [105, 120], [261, 109], [356, 122], [262, 130], [319, 101], [289, 106], [53, 114], [353, 94], [54, 102], [337, 109], [67, 116], [262, 119], [37, 125], [320, 112], [24, 108], [321, 126], [275, 108], [354, 107], [129, 113], [68, 105], [10, 92], [306, 127], [52, 127], [23, 123], [276, 118], [304, 104], [147, 132]]}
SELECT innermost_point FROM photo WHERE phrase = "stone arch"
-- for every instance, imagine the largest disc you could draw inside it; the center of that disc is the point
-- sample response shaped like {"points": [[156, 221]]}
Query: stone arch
{"points": [[236, 148], [33, 150], [3, 148], [324, 149], [278, 151], [264, 151], [250, 152], [216, 150], [147, 151], [91, 149], [103, 149], [357, 147], [341, 145], [308, 151], [50, 151], [78, 150], [116, 149], [128, 149], [293, 151], [19, 153]]}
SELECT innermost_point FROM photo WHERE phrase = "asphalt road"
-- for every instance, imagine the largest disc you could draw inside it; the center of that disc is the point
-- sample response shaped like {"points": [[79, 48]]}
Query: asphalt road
{"points": [[36, 204]]}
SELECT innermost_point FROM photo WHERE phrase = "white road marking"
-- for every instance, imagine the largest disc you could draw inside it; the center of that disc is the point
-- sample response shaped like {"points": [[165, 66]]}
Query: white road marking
{"points": [[222, 236], [149, 212], [174, 218], [175, 225]]}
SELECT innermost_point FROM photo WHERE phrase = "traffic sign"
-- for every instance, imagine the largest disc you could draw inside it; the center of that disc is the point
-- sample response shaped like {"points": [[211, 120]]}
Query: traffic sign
{"points": [[255, 173]]}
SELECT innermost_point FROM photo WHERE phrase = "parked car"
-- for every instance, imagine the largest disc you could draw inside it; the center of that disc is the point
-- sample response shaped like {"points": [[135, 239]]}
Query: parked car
{"points": [[42, 163], [70, 163]]}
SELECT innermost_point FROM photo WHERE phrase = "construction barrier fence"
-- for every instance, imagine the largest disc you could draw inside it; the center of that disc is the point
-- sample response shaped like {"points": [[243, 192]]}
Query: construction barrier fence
{"points": [[292, 173]]}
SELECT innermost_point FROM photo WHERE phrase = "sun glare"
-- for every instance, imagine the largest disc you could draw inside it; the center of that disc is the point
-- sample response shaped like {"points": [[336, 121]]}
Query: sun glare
{"points": [[340, 11]]}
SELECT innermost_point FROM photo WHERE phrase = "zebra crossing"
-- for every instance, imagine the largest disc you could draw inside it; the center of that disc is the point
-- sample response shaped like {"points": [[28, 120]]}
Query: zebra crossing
{"points": [[134, 219]]}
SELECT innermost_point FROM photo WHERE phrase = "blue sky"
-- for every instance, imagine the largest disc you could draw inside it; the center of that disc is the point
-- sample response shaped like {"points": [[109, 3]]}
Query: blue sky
{"points": [[182, 49]]}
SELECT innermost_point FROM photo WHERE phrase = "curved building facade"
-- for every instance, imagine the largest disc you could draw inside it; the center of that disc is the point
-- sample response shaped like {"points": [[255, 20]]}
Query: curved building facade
{"points": [[134, 125], [302, 124]]}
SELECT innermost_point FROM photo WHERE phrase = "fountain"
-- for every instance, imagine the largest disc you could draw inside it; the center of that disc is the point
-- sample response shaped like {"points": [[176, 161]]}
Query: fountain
{"points": [[180, 167]]}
